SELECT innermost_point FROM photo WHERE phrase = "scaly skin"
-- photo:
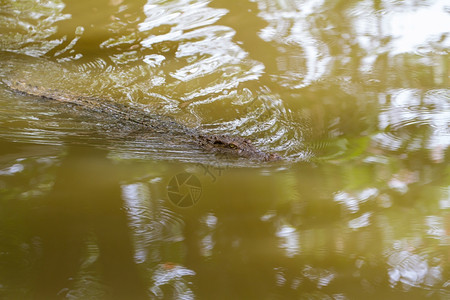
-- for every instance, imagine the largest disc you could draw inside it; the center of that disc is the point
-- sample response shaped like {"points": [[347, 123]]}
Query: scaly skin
{"points": [[221, 144]]}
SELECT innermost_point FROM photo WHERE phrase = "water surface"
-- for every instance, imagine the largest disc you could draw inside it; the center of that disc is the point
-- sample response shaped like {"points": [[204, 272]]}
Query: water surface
{"points": [[354, 94]]}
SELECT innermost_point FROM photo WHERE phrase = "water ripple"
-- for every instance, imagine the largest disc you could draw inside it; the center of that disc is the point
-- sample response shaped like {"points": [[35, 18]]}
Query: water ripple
{"points": [[413, 118]]}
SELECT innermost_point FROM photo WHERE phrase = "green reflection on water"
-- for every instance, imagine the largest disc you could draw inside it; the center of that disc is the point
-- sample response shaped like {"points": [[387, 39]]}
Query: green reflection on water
{"points": [[354, 93]]}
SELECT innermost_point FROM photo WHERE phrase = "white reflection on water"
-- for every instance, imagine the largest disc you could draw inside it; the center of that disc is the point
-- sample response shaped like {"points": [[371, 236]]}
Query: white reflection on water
{"points": [[138, 205], [412, 269], [408, 24], [410, 107], [23, 29], [186, 19], [16, 168], [436, 228], [192, 14], [445, 202], [414, 27], [154, 60], [175, 277], [397, 27], [288, 26], [207, 49], [289, 240], [362, 221], [207, 245], [149, 220], [322, 277], [210, 220], [401, 181], [353, 200]]}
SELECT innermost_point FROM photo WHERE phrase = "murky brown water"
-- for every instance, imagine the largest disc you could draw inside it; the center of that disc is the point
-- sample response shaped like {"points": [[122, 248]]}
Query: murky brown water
{"points": [[354, 94]]}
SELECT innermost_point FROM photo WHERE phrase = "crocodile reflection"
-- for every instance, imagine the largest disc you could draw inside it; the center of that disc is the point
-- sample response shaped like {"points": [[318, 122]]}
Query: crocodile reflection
{"points": [[222, 144]]}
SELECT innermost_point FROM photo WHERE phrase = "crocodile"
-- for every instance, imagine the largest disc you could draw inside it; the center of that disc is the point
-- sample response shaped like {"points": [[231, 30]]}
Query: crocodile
{"points": [[229, 145]]}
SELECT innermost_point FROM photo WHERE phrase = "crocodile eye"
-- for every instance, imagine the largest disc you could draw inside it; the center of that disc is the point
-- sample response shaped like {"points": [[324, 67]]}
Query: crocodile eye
{"points": [[232, 146]]}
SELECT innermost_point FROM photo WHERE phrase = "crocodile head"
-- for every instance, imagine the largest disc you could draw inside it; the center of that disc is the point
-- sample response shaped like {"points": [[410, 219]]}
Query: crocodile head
{"points": [[236, 146]]}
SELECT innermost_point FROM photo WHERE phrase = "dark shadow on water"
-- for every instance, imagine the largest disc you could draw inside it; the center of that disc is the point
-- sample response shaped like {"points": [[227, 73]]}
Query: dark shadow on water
{"points": [[85, 201]]}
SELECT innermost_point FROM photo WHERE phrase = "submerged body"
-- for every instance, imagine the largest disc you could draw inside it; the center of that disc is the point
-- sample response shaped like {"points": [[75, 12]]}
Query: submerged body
{"points": [[222, 144]]}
